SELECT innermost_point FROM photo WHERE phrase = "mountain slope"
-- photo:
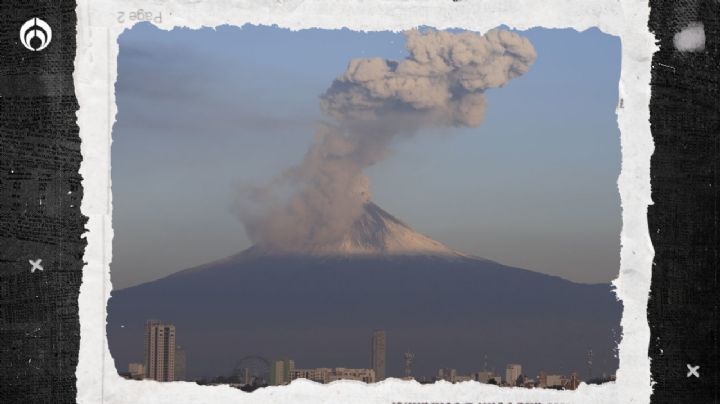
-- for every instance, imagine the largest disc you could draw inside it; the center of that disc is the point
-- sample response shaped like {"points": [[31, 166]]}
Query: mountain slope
{"points": [[320, 306]]}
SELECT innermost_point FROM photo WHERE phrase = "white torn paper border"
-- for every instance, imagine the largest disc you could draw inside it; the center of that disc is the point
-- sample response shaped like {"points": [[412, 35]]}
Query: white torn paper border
{"points": [[98, 28]]}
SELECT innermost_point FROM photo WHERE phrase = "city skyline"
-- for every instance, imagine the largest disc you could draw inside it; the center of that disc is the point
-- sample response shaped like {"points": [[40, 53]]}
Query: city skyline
{"points": [[160, 345]]}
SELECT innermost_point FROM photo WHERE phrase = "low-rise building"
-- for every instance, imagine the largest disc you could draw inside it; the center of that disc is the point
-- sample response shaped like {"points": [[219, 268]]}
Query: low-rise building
{"points": [[327, 375], [319, 375], [463, 378], [447, 374], [363, 375], [136, 371], [484, 377], [572, 383], [553, 381]]}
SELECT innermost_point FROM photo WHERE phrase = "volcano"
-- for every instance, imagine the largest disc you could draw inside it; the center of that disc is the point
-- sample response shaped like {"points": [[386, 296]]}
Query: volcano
{"points": [[374, 233], [319, 305]]}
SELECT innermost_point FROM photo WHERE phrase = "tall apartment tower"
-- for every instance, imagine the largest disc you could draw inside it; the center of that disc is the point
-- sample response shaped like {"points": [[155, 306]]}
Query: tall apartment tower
{"points": [[512, 373], [377, 358], [180, 364], [281, 372], [159, 351]]}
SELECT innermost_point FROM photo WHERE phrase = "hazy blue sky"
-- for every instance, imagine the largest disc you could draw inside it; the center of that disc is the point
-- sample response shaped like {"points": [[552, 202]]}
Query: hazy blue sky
{"points": [[200, 111]]}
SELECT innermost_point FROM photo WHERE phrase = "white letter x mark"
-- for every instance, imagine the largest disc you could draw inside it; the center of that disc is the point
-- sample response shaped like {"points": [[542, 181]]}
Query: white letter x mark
{"points": [[693, 371], [35, 265]]}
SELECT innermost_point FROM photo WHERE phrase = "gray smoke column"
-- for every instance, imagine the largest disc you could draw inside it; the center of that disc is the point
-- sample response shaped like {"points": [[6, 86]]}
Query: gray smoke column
{"points": [[440, 83]]}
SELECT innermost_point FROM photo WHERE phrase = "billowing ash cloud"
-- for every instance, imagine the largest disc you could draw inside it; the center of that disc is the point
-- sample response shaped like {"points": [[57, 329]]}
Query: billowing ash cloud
{"points": [[441, 83]]}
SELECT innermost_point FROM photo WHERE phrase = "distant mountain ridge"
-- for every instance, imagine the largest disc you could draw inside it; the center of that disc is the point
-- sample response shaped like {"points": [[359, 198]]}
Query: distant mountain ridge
{"points": [[320, 304]]}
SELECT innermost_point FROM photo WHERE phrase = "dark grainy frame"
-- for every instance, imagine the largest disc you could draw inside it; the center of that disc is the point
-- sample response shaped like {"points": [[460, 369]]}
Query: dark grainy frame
{"points": [[39, 161], [40, 158], [685, 168]]}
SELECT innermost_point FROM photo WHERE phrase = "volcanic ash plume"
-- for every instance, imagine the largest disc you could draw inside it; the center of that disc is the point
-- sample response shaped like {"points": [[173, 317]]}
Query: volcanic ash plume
{"points": [[440, 83]]}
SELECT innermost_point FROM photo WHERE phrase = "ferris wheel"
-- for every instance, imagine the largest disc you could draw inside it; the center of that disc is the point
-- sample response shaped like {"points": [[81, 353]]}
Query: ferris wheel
{"points": [[252, 370]]}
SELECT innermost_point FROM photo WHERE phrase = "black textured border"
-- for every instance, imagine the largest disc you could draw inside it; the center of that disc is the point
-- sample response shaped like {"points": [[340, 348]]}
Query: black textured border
{"points": [[40, 158], [40, 196], [683, 222]]}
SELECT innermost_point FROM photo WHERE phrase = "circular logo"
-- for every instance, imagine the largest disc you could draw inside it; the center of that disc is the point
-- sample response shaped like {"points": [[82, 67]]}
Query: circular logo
{"points": [[35, 34]]}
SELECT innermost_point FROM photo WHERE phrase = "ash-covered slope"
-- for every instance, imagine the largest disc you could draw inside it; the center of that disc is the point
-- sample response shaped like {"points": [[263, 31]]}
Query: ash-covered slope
{"points": [[319, 306], [374, 233]]}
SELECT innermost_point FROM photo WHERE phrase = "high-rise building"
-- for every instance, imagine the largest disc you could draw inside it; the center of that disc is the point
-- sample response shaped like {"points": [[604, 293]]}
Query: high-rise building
{"points": [[512, 373], [180, 363], [159, 351], [408, 356], [281, 371], [377, 357]]}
